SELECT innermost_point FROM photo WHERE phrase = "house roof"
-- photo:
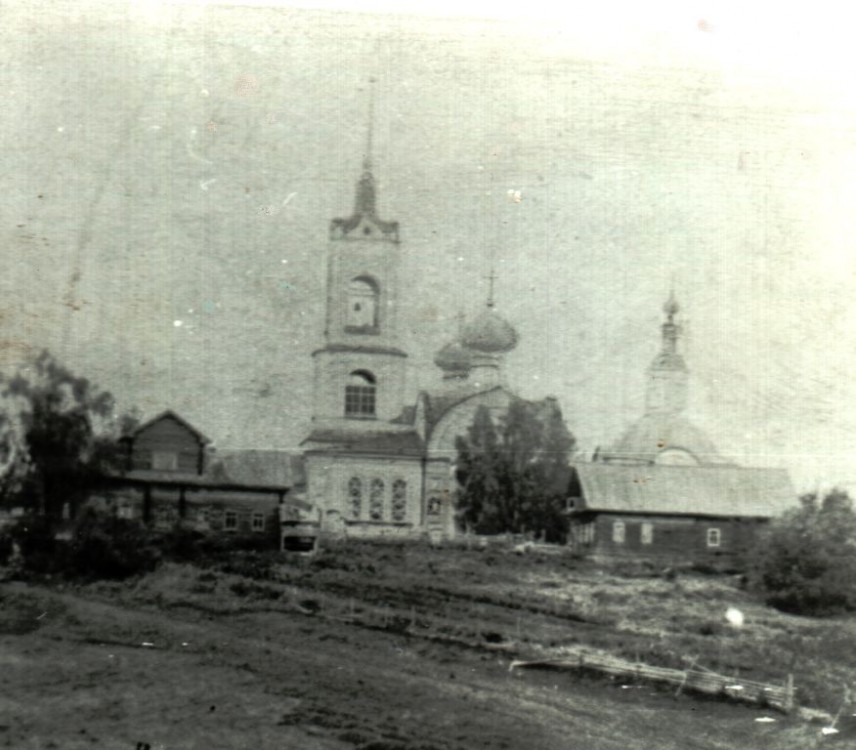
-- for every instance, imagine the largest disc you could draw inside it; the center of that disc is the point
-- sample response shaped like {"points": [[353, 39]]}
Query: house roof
{"points": [[169, 414], [258, 468], [391, 442], [685, 490]]}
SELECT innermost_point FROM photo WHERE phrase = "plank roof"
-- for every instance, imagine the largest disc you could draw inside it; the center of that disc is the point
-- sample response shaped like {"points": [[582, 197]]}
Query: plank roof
{"points": [[685, 490]]}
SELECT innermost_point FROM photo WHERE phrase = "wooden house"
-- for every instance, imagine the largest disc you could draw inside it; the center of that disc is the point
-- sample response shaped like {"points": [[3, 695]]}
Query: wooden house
{"points": [[173, 476], [708, 514]]}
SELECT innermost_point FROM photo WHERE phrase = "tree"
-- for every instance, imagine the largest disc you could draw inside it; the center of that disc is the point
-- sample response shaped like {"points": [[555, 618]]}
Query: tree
{"points": [[63, 432], [807, 562], [513, 477]]}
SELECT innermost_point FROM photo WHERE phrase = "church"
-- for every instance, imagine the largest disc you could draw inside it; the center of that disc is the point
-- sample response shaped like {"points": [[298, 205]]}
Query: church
{"points": [[376, 465], [663, 490]]}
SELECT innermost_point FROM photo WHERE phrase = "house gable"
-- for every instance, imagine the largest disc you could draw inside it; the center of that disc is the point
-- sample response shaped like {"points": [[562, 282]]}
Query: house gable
{"points": [[167, 444]]}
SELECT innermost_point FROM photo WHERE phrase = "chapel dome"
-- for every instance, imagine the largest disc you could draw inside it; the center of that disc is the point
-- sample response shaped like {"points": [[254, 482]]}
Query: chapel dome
{"points": [[490, 333], [453, 357], [655, 434]]}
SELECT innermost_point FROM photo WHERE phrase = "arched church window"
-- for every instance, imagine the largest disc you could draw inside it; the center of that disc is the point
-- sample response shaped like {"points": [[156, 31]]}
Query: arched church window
{"points": [[363, 296], [399, 500], [376, 500], [360, 394], [355, 497]]}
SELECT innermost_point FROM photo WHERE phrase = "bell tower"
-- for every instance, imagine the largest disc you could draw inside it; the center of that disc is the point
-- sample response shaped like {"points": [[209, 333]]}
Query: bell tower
{"points": [[359, 372], [668, 375]]}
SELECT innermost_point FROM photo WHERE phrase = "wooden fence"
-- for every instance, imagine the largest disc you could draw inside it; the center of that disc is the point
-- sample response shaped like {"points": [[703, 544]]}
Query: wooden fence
{"points": [[694, 680]]}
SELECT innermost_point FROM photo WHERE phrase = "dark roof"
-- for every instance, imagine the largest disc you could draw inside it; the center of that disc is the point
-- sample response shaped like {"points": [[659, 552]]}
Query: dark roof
{"points": [[357, 348], [169, 414], [685, 490], [259, 468], [437, 405], [233, 469], [395, 442], [408, 414]]}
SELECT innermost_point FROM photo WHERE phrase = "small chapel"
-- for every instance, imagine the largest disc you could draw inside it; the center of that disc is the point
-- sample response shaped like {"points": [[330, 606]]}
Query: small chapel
{"points": [[376, 465], [663, 490]]}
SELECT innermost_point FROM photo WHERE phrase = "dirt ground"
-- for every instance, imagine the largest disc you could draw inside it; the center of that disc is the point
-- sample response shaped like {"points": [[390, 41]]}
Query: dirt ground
{"points": [[351, 651]]}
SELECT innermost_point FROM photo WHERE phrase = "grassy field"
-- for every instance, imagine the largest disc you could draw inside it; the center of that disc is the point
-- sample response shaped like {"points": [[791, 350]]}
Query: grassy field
{"points": [[400, 647]]}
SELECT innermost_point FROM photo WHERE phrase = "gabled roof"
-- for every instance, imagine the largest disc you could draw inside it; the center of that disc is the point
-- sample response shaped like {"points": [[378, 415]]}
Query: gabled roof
{"points": [[685, 490], [389, 442], [169, 414]]}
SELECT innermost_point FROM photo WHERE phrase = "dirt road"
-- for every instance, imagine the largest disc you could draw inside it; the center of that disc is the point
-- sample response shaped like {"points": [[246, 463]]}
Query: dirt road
{"points": [[78, 670]]}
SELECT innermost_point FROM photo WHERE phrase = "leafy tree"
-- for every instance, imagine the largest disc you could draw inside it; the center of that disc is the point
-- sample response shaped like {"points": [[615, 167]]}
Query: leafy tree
{"points": [[807, 562], [61, 434], [513, 476]]}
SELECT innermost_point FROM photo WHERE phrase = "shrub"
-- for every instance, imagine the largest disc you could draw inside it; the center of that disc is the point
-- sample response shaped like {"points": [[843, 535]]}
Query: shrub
{"points": [[806, 564], [6, 546], [110, 548], [40, 551]]}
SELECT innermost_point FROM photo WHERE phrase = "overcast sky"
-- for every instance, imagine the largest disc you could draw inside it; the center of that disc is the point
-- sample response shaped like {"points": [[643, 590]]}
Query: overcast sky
{"points": [[169, 172]]}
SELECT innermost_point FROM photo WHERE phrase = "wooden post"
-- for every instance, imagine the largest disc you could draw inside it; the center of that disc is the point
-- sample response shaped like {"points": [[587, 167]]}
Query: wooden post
{"points": [[686, 677], [789, 694], [147, 504]]}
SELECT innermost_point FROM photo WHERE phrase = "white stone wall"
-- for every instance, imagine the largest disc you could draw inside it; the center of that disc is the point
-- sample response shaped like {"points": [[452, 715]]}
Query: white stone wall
{"points": [[377, 260], [331, 376], [328, 478]]}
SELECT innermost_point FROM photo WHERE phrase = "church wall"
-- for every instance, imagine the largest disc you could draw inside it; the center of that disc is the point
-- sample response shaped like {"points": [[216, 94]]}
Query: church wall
{"points": [[365, 495], [331, 376], [362, 258]]}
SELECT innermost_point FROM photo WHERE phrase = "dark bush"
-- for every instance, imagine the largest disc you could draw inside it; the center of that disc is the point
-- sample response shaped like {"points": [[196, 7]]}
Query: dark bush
{"points": [[806, 564], [6, 546], [113, 548], [41, 552]]}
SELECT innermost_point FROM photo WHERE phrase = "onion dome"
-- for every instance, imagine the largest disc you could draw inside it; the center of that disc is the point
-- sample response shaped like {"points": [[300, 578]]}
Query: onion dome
{"points": [[453, 358], [671, 307], [490, 334]]}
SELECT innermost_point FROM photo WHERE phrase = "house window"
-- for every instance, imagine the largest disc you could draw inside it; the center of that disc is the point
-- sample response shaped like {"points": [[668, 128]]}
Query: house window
{"points": [[399, 500], [360, 394], [646, 533], [355, 497], [164, 461], [376, 500], [363, 296], [714, 537], [230, 522], [618, 532], [203, 518], [435, 505], [258, 521]]}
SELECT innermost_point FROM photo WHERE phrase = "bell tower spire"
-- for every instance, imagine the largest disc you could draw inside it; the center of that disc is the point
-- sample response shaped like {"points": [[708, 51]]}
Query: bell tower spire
{"points": [[668, 375], [367, 156], [360, 369], [364, 223]]}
